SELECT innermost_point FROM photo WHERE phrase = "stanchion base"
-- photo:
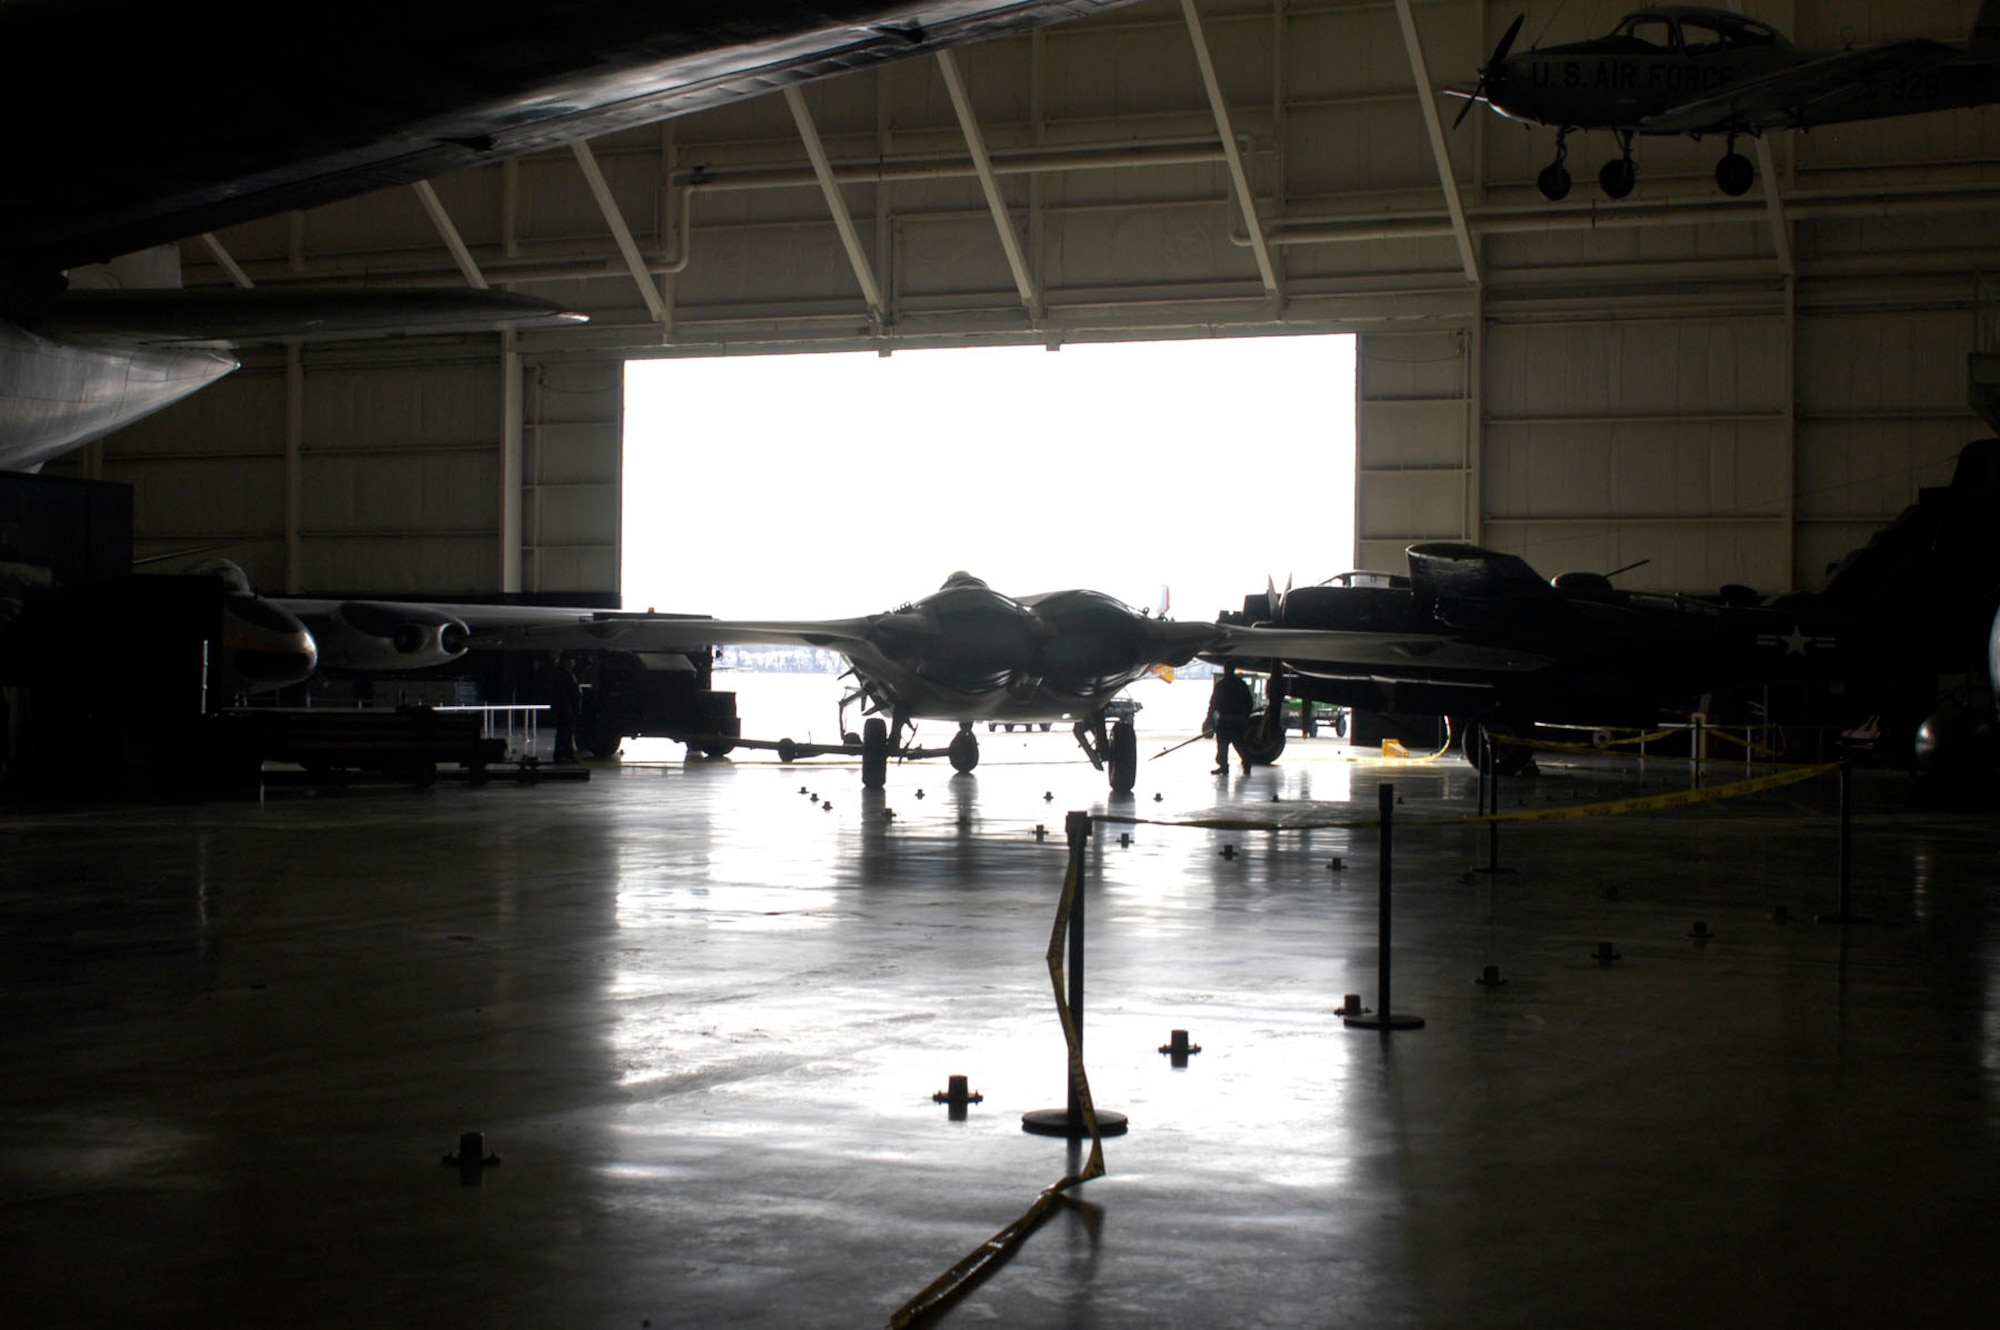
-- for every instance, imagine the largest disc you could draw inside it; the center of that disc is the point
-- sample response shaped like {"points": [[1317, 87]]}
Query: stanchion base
{"points": [[1845, 919], [1382, 1021], [1055, 1122]]}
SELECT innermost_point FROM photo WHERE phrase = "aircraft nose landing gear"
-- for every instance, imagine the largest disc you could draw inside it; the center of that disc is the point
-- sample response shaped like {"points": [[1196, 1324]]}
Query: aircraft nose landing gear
{"points": [[1117, 751]]}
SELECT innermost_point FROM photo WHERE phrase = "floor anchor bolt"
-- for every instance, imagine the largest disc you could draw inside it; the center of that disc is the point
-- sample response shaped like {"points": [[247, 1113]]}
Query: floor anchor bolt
{"points": [[956, 1096]]}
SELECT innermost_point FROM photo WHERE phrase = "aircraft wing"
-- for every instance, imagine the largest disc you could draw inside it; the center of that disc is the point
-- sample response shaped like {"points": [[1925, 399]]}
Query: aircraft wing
{"points": [[194, 120], [1394, 655], [160, 318], [518, 628], [1789, 98]]}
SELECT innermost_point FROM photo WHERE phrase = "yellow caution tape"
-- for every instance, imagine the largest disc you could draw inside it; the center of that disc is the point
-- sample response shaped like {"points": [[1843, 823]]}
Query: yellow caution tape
{"points": [[987, 1256], [1634, 741], [1638, 803], [1672, 799], [1750, 746], [1233, 823]]}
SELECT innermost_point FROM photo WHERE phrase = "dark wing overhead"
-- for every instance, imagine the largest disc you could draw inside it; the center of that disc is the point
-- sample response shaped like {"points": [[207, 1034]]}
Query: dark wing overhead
{"points": [[1804, 94], [156, 318], [135, 122]]}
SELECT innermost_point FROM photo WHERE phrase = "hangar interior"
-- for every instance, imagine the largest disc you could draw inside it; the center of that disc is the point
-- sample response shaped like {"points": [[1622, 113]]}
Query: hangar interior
{"points": [[1738, 390], [236, 1022]]}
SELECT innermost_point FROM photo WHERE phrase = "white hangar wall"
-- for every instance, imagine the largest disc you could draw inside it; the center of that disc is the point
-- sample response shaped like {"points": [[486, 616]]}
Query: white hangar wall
{"points": [[1734, 390]]}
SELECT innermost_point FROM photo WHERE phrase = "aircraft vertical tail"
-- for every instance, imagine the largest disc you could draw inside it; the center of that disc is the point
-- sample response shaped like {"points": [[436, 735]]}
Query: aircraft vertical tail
{"points": [[1941, 551], [1986, 32]]}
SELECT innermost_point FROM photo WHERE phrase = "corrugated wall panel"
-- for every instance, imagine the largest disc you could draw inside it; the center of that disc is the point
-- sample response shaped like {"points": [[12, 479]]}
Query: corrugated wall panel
{"points": [[1411, 443], [575, 450], [1883, 413]]}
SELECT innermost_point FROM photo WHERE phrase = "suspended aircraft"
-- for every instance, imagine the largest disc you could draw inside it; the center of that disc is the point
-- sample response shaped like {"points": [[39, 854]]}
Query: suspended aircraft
{"points": [[1680, 69], [1919, 601], [140, 124]]}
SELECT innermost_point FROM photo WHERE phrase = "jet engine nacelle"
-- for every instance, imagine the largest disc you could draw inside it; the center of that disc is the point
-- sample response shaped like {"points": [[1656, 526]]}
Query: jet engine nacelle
{"points": [[383, 635]]}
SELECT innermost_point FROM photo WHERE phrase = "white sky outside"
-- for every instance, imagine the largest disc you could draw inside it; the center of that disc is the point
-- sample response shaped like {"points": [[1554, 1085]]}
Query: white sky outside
{"points": [[831, 485]]}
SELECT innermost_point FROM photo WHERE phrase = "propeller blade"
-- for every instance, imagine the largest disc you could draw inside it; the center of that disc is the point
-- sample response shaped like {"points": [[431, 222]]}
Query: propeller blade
{"points": [[1492, 63]]}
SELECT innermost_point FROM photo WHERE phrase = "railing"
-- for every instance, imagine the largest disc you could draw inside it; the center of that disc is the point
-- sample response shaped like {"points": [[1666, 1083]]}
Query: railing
{"points": [[521, 724]]}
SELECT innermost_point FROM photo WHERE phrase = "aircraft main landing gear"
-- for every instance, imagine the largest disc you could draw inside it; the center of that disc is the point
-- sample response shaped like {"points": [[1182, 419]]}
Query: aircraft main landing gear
{"points": [[1619, 174], [964, 749], [1117, 751], [1735, 173], [1554, 179], [874, 754]]}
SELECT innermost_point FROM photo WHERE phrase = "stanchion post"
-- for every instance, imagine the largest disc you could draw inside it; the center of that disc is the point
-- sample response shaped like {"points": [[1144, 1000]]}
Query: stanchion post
{"points": [[1382, 1017], [1068, 1120], [1493, 799], [1077, 826], [1489, 803], [1846, 875]]}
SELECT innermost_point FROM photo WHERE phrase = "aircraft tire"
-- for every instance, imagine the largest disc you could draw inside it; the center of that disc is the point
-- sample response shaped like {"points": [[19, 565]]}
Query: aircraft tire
{"points": [[1264, 741], [1618, 177], [874, 754], [788, 751], [1734, 175], [964, 751], [1553, 182], [1124, 757]]}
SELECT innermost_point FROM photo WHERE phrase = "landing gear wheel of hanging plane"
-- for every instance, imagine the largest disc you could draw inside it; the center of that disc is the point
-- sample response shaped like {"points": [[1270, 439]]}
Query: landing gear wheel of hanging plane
{"points": [[1734, 175], [1554, 179], [964, 749], [874, 754], [788, 751], [1124, 757], [1618, 177]]}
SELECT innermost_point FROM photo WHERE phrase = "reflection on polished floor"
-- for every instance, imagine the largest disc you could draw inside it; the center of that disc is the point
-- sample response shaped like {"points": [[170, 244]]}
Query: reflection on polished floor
{"points": [[700, 1014]]}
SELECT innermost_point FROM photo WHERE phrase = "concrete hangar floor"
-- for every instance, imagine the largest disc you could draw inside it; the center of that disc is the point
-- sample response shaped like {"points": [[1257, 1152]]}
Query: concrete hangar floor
{"points": [[700, 1016]]}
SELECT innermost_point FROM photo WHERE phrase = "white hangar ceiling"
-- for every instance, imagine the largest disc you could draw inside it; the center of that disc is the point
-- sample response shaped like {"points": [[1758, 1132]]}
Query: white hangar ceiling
{"points": [[1736, 389]]}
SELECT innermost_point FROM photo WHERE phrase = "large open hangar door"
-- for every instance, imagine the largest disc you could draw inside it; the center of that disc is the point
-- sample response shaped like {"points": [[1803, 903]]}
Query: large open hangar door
{"points": [[1737, 389]]}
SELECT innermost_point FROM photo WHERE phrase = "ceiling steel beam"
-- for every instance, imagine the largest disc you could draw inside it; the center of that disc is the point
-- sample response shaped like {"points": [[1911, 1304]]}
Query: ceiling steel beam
{"points": [[989, 183], [1468, 255], [434, 207], [1238, 177], [226, 261], [843, 221], [1774, 208], [635, 262]]}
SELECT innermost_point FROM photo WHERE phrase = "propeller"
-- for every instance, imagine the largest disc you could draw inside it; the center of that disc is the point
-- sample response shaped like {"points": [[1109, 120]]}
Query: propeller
{"points": [[1493, 63], [1274, 599]]}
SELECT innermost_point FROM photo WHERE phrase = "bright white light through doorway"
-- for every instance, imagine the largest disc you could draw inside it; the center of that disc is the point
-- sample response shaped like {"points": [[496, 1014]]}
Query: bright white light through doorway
{"points": [[835, 485]]}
